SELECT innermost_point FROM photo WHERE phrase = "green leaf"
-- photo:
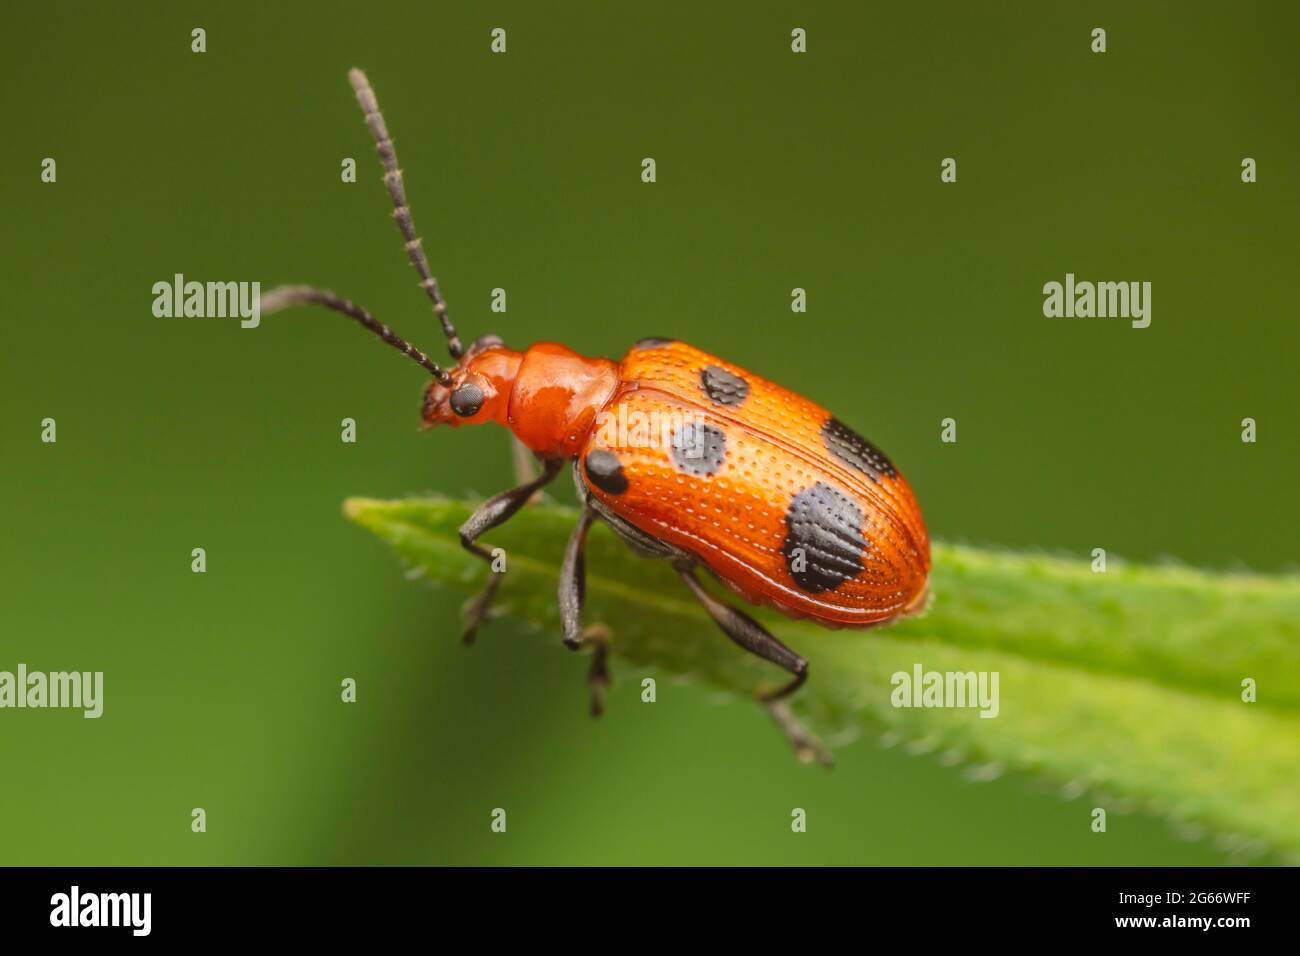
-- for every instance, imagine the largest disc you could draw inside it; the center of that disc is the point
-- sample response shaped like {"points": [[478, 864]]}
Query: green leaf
{"points": [[1126, 684]]}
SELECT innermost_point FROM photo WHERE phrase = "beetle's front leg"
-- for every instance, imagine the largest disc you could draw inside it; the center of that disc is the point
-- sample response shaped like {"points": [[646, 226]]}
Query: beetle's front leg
{"points": [[496, 511]]}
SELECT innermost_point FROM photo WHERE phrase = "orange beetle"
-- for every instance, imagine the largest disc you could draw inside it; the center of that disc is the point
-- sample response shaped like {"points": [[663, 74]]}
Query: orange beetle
{"points": [[687, 457]]}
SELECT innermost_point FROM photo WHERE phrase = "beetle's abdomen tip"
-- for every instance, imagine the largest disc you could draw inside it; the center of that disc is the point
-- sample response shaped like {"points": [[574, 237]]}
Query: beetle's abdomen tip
{"points": [[919, 604]]}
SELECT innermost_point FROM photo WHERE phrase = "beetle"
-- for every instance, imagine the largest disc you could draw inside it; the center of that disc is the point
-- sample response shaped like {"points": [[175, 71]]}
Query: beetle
{"points": [[763, 488]]}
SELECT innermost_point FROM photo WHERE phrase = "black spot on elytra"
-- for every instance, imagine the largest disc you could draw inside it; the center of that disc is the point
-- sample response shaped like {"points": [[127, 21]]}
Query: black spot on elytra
{"points": [[852, 449], [605, 472], [824, 545], [722, 386], [699, 449], [651, 343], [467, 400]]}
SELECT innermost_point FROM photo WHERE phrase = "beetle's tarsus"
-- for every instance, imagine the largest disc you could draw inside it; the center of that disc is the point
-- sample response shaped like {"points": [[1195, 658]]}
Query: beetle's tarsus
{"points": [[807, 748], [598, 675], [476, 610]]}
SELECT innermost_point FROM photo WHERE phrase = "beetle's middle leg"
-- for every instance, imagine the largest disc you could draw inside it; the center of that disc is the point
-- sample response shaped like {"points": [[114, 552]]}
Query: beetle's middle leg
{"points": [[753, 637], [573, 591], [493, 512]]}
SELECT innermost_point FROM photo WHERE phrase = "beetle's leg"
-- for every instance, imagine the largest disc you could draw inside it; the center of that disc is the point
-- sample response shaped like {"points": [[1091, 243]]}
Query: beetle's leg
{"points": [[597, 635], [573, 589], [573, 581], [753, 637], [493, 512], [525, 465], [750, 635]]}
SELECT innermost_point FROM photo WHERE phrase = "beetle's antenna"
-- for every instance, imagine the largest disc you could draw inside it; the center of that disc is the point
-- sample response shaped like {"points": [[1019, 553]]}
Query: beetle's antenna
{"points": [[290, 295], [401, 211]]}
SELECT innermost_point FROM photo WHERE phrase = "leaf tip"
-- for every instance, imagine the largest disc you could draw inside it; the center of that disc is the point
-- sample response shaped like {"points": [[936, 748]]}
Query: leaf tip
{"points": [[354, 509]]}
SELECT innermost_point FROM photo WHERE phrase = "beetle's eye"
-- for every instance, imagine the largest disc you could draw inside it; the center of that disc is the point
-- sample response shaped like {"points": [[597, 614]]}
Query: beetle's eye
{"points": [[467, 400]]}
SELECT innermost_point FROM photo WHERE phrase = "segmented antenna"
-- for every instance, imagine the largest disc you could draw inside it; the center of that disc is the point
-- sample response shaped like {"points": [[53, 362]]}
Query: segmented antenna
{"points": [[289, 295], [401, 211]]}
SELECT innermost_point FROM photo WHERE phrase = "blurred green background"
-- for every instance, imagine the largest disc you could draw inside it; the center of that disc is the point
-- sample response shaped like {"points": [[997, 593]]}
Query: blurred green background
{"points": [[775, 170]]}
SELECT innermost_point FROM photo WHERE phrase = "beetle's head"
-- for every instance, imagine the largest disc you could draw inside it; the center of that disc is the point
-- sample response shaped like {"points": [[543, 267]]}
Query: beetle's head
{"points": [[476, 390]]}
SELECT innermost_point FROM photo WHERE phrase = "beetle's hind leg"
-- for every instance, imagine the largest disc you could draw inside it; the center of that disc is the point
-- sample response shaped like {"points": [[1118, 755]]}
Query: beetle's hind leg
{"points": [[597, 635], [753, 637], [496, 511]]}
